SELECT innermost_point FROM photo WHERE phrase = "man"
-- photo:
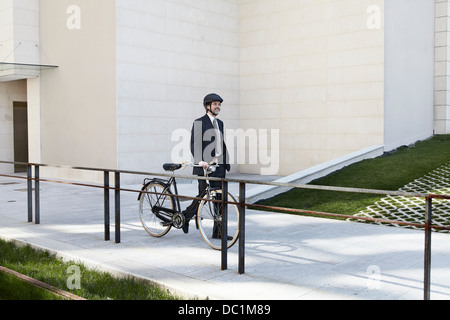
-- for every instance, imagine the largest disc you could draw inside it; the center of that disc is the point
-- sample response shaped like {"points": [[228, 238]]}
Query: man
{"points": [[207, 145]]}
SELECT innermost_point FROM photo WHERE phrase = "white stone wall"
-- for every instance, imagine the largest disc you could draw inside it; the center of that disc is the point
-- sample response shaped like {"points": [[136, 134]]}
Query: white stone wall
{"points": [[442, 61], [409, 71], [6, 30], [33, 90], [170, 54], [19, 43], [329, 75], [19, 31], [9, 92], [77, 100], [313, 70]]}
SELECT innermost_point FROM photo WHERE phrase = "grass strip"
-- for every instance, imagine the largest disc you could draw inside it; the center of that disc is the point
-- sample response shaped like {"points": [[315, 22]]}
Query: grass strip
{"points": [[13, 288], [44, 267], [39, 284], [388, 172]]}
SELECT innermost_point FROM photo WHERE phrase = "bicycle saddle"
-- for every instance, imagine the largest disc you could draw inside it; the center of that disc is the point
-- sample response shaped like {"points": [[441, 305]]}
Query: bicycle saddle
{"points": [[171, 166]]}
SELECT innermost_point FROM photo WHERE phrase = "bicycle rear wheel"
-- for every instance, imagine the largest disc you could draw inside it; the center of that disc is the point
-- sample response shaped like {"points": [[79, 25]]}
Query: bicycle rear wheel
{"points": [[209, 219], [153, 219]]}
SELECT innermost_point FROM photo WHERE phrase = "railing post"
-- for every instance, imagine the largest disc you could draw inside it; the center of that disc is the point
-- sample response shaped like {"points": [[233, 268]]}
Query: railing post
{"points": [[241, 264], [37, 213], [106, 204], [427, 258], [224, 225], [30, 193], [117, 205]]}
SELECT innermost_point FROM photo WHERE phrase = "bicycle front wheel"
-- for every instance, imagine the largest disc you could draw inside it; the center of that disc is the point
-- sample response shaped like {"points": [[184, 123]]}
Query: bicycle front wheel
{"points": [[209, 219], [153, 219]]}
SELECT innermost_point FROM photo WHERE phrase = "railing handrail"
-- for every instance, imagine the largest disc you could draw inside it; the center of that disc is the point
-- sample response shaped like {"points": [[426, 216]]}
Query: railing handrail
{"points": [[427, 225], [292, 210], [246, 181]]}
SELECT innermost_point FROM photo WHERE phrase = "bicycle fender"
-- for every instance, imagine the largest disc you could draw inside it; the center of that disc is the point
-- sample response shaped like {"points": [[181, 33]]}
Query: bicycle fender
{"points": [[147, 181]]}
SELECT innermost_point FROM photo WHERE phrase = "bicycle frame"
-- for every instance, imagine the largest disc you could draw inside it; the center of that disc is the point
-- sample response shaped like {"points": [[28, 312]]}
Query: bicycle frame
{"points": [[158, 217]]}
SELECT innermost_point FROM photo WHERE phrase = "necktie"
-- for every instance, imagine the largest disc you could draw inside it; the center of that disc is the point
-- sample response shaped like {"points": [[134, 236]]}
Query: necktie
{"points": [[218, 141]]}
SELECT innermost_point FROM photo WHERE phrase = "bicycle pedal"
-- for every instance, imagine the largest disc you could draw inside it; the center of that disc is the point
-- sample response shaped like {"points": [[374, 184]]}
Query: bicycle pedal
{"points": [[165, 224]]}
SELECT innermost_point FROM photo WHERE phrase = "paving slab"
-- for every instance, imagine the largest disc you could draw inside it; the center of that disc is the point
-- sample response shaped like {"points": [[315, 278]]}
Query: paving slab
{"points": [[288, 257]]}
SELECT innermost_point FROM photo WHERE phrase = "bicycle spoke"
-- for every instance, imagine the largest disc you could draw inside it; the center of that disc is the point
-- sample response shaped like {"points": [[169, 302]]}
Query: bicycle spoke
{"points": [[157, 196], [209, 218]]}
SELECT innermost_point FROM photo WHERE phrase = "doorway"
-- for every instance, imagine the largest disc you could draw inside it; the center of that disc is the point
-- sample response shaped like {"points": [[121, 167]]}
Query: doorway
{"points": [[20, 135]]}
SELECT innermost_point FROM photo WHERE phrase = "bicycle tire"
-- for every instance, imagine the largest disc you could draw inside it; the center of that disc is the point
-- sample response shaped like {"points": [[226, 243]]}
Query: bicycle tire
{"points": [[209, 220], [150, 221]]}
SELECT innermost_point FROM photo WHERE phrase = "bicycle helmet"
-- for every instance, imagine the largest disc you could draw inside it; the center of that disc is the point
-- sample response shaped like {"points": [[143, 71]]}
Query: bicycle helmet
{"points": [[211, 98]]}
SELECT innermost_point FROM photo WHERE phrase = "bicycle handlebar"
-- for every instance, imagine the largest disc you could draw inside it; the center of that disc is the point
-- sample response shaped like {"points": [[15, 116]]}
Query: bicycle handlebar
{"points": [[212, 166]]}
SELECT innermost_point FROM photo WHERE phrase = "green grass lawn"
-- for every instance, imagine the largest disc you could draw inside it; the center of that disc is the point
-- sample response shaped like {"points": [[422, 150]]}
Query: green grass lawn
{"points": [[42, 266], [388, 172], [12, 288]]}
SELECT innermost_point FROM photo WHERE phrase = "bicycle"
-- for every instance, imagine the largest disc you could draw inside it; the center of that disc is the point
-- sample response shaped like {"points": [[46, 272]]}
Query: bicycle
{"points": [[160, 210]]}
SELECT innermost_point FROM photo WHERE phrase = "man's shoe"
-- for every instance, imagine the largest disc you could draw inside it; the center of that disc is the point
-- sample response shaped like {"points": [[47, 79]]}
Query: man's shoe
{"points": [[185, 227]]}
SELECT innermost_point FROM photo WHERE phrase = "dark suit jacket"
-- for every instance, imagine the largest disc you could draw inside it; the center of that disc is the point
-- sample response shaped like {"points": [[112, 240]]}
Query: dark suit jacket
{"points": [[203, 146]]}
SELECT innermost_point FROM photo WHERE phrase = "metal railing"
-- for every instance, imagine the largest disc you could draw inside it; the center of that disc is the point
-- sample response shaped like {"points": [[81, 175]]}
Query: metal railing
{"points": [[427, 225]]}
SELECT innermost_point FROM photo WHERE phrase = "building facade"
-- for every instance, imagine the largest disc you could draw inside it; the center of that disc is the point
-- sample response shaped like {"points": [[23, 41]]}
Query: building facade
{"points": [[117, 84]]}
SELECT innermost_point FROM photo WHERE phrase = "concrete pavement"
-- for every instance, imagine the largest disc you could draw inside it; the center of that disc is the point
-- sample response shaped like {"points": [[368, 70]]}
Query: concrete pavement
{"points": [[287, 257]]}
